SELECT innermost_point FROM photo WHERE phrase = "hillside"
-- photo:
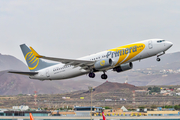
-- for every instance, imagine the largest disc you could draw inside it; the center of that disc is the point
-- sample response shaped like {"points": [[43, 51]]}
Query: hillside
{"points": [[8, 62], [107, 90], [115, 87], [110, 94], [12, 84], [170, 61]]}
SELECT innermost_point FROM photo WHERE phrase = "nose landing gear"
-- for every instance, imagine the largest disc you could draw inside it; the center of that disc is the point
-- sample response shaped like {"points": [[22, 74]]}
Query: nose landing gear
{"points": [[158, 59]]}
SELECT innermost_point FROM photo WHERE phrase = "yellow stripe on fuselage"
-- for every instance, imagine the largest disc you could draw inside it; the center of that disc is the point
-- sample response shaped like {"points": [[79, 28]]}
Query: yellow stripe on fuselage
{"points": [[127, 52]]}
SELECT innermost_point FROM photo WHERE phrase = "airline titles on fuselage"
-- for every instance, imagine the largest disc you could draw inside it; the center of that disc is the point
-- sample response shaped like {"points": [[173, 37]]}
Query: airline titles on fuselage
{"points": [[123, 51]]}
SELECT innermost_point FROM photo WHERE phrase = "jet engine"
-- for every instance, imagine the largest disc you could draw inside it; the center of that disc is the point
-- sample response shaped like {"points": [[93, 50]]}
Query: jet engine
{"points": [[123, 67], [103, 64]]}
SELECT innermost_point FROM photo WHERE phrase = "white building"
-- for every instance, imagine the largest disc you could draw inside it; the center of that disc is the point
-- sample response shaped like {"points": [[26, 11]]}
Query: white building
{"points": [[124, 109], [163, 91], [22, 107]]}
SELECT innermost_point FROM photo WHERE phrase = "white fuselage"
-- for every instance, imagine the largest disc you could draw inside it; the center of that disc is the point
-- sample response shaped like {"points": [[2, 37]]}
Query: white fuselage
{"points": [[126, 54]]}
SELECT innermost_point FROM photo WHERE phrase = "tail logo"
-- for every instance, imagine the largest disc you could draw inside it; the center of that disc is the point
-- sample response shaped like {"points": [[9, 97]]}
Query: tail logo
{"points": [[32, 60]]}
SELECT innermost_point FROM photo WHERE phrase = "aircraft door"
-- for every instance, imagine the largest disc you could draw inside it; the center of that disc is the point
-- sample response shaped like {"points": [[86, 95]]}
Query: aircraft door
{"points": [[150, 45], [47, 73]]}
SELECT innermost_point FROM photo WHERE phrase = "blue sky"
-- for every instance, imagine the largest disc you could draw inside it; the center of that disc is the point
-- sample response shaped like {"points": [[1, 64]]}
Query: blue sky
{"points": [[75, 28]]}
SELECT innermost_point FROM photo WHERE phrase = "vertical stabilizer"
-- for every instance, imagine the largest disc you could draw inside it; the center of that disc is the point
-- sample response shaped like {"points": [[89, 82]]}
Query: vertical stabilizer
{"points": [[34, 63]]}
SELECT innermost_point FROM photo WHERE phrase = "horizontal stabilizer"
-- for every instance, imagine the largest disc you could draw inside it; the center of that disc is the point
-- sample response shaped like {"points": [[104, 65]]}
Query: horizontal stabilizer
{"points": [[23, 73]]}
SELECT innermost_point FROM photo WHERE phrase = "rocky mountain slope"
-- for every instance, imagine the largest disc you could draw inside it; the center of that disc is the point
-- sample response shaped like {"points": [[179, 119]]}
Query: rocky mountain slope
{"points": [[107, 90], [12, 84], [8, 62], [169, 61], [115, 87]]}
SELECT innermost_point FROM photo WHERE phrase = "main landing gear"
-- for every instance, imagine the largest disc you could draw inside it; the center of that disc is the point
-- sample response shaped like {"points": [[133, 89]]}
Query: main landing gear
{"points": [[91, 75], [103, 76], [159, 59]]}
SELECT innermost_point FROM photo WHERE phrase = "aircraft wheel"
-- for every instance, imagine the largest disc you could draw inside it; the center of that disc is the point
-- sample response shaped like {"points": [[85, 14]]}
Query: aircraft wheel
{"points": [[158, 59], [91, 75], [104, 76]]}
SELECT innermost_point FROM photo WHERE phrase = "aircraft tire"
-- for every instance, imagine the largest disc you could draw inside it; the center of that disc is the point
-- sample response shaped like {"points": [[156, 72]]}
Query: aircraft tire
{"points": [[91, 75], [104, 76], [158, 59]]}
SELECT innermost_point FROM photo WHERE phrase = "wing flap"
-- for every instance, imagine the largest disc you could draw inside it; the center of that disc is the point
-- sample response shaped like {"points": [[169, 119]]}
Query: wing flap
{"points": [[23, 73]]}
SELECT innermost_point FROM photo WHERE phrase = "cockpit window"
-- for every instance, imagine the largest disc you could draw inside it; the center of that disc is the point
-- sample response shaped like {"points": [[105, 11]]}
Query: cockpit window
{"points": [[159, 41]]}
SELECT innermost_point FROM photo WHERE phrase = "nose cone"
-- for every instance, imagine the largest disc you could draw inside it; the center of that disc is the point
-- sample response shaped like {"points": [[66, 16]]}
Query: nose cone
{"points": [[169, 44]]}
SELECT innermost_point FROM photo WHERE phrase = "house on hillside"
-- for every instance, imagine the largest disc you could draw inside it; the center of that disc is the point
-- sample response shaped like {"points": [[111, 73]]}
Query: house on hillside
{"points": [[124, 109], [163, 91]]}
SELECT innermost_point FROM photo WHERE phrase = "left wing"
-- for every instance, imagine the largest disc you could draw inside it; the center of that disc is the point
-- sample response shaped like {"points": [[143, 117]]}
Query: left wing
{"points": [[85, 64]]}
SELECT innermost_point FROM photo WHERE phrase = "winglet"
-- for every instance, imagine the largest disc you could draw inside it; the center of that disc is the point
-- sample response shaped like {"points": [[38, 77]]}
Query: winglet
{"points": [[35, 53], [31, 117]]}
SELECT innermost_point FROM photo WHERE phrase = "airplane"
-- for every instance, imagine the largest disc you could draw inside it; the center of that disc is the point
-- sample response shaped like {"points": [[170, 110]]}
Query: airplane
{"points": [[118, 59]]}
